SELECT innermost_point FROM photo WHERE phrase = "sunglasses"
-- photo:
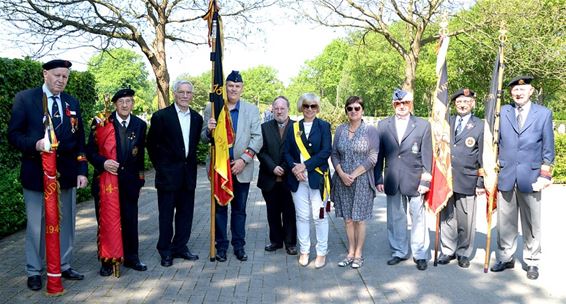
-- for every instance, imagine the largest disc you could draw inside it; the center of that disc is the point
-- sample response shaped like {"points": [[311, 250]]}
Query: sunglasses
{"points": [[398, 103], [350, 108], [310, 106]]}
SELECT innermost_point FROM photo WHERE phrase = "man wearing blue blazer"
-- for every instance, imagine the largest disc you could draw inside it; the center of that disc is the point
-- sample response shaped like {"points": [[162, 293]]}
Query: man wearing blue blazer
{"points": [[526, 156], [172, 142], [26, 132], [129, 167], [458, 219], [406, 153], [246, 123]]}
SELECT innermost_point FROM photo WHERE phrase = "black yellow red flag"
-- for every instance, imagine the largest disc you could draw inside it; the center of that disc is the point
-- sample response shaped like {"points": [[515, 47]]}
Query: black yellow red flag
{"points": [[223, 136]]}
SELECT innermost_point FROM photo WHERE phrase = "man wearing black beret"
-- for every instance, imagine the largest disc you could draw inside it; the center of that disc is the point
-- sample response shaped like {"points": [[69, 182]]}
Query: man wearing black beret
{"points": [[248, 142], [458, 219], [129, 143], [26, 133], [526, 156]]}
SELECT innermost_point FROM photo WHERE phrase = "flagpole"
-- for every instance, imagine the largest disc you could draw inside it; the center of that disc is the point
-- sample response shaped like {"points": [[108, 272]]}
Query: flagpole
{"points": [[436, 239], [212, 151], [491, 198]]}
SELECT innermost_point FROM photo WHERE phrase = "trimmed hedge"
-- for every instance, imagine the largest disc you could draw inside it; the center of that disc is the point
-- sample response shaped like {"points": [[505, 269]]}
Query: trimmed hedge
{"points": [[559, 173], [17, 75]]}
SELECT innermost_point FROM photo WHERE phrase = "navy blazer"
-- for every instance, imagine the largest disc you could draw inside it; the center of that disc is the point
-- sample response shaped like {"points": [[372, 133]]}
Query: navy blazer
{"points": [[173, 170], [404, 162], [130, 172], [522, 153], [271, 153], [466, 155], [319, 145], [26, 128]]}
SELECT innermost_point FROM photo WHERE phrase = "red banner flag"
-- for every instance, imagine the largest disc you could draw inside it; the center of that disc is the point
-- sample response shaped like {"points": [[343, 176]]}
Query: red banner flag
{"points": [[441, 183], [491, 133], [223, 136], [51, 200], [109, 225]]}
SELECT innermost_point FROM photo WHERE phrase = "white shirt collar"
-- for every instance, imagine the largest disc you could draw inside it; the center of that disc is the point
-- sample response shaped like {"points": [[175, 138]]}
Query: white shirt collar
{"points": [[181, 112], [127, 120]]}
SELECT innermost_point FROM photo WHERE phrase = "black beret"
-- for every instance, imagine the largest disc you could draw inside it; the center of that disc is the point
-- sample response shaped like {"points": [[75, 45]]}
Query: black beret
{"points": [[520, 80], [234, 76], [463, 92], [56, 63], [123, 93]]}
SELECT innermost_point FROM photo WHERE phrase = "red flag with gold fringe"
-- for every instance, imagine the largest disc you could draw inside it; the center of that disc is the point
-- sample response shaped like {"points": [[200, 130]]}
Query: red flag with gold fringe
{"points": [[52, 206], [441, 183], [109, 225]]}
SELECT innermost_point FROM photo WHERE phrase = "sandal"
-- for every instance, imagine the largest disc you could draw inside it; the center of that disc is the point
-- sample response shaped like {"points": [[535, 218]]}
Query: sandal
{"points": [[357, 262], [346, 261]]}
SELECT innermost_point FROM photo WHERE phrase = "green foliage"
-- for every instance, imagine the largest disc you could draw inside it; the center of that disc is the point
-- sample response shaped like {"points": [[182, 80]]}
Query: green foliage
{"points": [[202, 152], [12, 208], [117, 68], [261, 85], [559, 173], [17, 75]]}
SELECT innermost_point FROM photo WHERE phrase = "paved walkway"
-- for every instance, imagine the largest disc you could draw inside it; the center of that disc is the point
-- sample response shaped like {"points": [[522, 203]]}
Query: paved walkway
{"points": [[277, 277]]}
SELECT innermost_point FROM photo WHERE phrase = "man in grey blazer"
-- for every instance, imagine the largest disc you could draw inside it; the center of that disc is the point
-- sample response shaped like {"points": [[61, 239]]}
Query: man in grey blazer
{"points": [[526, 156], [246, 123], [406, 151], [458, 219]]}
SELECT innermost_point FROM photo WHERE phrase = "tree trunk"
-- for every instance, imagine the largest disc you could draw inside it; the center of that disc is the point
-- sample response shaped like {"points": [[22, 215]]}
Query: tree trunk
{"points": [[410, 72], [162, 80]]}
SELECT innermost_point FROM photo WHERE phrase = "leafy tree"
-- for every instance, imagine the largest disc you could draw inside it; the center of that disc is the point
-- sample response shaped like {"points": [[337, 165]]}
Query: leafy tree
{"points": [[149, 25], [116, 68], [261, 85], [377, 17]]}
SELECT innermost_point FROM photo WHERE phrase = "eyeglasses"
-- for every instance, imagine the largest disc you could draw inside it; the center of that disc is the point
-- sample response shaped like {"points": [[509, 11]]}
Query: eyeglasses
{"points": [[350, 108], [124, 101], [463, 100], [310, 106], [401, 102]]}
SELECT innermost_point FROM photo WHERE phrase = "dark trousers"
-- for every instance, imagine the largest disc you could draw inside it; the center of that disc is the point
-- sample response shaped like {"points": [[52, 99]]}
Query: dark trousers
{"points": [[281, 215], [129, 224], [237, 218], [178, 205]]}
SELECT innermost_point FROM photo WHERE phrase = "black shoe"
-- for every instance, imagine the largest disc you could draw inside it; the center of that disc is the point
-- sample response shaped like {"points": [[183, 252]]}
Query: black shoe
{"points": [[241, 255], [70, 274], [187, 255], [139, 266], [532, 273], [444, 259], [463, 262], [34, 282], [395, 260], [421, 264], [105, 270], [500, 266], [292, 250], [166, 261], [273, 247], [221, 256]]}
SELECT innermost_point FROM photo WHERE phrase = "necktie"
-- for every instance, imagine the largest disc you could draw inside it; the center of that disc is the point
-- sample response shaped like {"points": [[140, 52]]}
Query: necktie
{"points": [[459, 126], [55, 114], [520, 117], [123, 138], [281, 129]]}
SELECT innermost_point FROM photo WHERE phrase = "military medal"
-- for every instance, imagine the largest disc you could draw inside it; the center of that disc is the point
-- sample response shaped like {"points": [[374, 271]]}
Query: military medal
{"points": [[135, 151], [470, 142], [415, 148]]}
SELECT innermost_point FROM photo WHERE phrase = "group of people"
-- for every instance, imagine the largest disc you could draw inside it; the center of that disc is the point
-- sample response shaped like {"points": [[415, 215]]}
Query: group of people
{"points": [[294, 176]]}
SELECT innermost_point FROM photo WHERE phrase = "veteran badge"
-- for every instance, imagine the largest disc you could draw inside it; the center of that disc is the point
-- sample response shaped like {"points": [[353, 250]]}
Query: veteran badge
{"points": [[470, 142], [135, 151], [415, 148]]}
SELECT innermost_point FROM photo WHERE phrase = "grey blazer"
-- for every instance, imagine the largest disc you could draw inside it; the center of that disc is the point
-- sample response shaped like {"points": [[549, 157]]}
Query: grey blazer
{"points": [[248, 136]]}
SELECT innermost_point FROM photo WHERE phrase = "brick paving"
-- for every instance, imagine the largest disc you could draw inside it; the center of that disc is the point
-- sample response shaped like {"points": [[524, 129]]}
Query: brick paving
{"points": [[277, 278]]}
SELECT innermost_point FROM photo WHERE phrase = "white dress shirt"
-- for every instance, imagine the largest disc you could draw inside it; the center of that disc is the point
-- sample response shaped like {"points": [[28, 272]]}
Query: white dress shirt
{"points": [[185, 121]]}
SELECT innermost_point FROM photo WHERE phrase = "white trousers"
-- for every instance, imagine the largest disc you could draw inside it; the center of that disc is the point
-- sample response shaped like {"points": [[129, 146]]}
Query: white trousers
{"points": [[307, 206]]}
